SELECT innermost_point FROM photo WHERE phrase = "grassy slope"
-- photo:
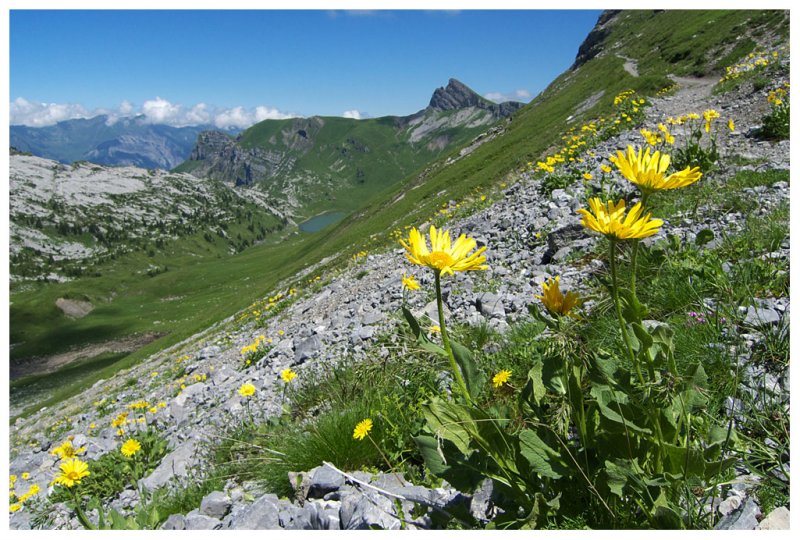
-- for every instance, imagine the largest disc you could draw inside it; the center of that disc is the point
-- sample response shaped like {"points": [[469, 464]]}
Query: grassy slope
{"points": [[355, 159], [214, 290]]}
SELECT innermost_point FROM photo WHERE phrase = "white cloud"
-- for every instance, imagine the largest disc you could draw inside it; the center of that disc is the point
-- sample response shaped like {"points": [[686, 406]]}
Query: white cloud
{"points": [[34, 114], [517, 95], [268, 113], [161, 111], [155, 111], [354, 114]]}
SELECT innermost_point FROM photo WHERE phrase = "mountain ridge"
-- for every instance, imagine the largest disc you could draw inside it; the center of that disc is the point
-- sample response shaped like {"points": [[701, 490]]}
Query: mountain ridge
{"points": [[321, 163]]}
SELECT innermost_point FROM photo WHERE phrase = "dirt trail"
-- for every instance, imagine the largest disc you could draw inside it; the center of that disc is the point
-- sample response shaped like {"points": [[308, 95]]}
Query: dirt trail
{"points": [[49, 364]]}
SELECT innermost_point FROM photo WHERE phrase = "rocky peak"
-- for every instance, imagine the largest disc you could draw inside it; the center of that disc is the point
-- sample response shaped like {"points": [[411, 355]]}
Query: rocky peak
{"points": [[457, 95]]}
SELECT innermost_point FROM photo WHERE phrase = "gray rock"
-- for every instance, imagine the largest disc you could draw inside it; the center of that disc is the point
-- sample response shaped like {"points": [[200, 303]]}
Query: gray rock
{"points": [[216, 505], [196, 521], [175, 522], [323, 481], [372, 318], [743, 519], [316, 516], [307, 348], [758, 316], [729, 505], [174, 465], [481, 506], [262, 514], [366, 511], [209, 352], [777, 520], [490, 305]]}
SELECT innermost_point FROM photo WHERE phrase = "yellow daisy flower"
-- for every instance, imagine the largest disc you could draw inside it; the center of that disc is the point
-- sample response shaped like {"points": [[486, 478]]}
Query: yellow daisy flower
{"points": [[288, 375], [501, 378], [444, 257], [72, 472], [362, 429], [555, 302], [130, 447], [247, 390], [648, 171], [609, 219], [410, 282]]}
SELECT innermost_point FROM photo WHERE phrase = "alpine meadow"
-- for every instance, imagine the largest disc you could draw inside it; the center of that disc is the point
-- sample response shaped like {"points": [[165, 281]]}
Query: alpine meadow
{"points": [[571, 313]]}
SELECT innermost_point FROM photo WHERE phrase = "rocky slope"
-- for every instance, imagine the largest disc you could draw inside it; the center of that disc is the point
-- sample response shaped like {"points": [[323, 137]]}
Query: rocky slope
{"points": [[66, 218], [320, 163], [129, 141], [352, 308]]}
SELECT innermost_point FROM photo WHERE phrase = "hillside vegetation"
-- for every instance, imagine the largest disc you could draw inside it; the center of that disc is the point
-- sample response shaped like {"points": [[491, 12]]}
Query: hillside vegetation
{"points": [[557, 366]]}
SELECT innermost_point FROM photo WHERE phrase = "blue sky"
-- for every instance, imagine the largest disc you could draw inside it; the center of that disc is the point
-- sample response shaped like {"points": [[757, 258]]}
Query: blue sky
{"points": [[236, 67]]}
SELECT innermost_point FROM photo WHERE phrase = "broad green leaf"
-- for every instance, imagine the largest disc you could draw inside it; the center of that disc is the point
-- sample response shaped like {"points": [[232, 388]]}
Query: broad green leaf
{"points": [[472, 375], [664, 517], [422, 338], [544, 460], [449, 421], [537, 388], [632, 309], [684, 462], [611, 403]]}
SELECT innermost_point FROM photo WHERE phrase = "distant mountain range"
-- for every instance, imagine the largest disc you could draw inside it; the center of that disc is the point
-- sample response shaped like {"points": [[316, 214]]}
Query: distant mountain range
{"points": [[129, 141], [310, 165]]}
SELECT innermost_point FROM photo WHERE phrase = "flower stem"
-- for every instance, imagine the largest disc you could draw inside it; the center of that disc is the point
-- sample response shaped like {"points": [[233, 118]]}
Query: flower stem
{"points": [[446, 341], [385, 459], [615, 297], [79, 511], [635, 249]]}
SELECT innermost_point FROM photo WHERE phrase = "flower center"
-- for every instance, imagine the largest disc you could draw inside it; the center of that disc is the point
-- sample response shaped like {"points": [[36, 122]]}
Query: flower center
{"points": [[440, 260]]}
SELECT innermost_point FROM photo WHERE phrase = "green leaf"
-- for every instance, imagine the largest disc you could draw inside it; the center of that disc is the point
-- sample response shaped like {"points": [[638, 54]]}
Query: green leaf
{"points": [[544, 460], [632, 309], [535, 385], [422, 338], [704, 237], [449, 421], [472, 375], [664, 517], [611, 404]]}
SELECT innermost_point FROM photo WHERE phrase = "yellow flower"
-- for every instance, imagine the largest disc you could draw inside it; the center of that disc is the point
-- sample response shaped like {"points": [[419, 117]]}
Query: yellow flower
{"points": [[119, 420], [647, 171], [281, 332], [67, 451], [501, 378], [72, 472], [362, 429], [587, 176], [247, 390], [731, 125], [153, 410], [33, 490], [609, 219], [288, 375], [26, 475], [435, 329], [14, 507], [605, 168], [12, 479], [443, 257], [410, 282], [130, 447], [555, 302]]}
